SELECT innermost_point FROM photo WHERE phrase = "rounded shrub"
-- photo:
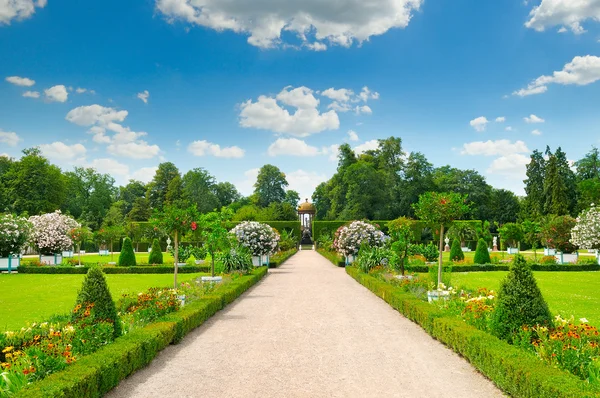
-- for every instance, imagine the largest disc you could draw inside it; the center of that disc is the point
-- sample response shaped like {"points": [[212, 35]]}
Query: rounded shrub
{"points": [[127, 256], [456, 253], [520, 302], [482, 255], [94, 291], [156, 256]]}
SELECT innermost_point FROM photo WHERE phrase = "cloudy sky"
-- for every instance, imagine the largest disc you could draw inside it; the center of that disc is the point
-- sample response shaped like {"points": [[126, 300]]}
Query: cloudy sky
{"points": [[232, 85]]}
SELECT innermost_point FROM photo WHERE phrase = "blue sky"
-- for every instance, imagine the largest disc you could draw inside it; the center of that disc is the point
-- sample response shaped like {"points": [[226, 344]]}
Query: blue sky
{"points": [[230, 86]]}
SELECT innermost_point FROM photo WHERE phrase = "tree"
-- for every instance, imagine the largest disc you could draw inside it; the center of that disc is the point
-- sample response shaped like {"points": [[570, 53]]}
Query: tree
{"points": [[418, 179], [534, 186], [292, 197], [586, 232], [401, 232], [456, 253], [79, 236], [321, 200], [156, 256], [270, 185], [466, 182], [482, 254], [214, 233], [108, 235], [556, 184], [461, 232], [158, 188], [588, 179], [6, 165], [556, 233], [504, 206], [131, 192], [511, 233], [198, 188], [226, 193], [140, 211], [127, 256], [440, 209], [116, 214], [531, 235]]}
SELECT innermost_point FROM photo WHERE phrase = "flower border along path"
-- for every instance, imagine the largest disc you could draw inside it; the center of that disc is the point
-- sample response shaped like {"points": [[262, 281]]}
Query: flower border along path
{"points": [[514, 371], [96, 374]]}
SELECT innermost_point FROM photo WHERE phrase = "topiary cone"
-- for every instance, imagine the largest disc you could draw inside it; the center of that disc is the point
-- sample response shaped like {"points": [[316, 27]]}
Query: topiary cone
{"points": [[127, 256], [156, 256], [482, 255], [456, 253]]}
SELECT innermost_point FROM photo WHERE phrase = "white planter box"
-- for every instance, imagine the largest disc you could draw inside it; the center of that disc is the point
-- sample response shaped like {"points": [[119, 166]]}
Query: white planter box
{"points": [[55, 259], [259, 261], [435, 295], [350, 259], [67, 254], [465, 249], [566, 258], [405, 277], [9, 263], [181, 300], [212, 279], [549, 252], [199, 262], [181, 265], [103, 252], [512, 250], [81, 251], [149, 249]]}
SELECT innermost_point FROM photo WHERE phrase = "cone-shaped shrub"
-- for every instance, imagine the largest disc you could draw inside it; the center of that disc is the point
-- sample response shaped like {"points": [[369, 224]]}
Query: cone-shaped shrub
{"points": [[156, 256], [482, 255], [127, 256], [456, 253], [520, 302], [94, 291]]}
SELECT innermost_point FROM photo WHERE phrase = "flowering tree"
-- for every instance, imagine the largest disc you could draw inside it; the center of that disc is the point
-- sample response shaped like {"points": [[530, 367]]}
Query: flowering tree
{"points": [[440, 209], [14, 233], [586, 232], [556, 233], [402, 235], [176, 222], [259, 238], [51, 232], [348, 238], [214, 234]]}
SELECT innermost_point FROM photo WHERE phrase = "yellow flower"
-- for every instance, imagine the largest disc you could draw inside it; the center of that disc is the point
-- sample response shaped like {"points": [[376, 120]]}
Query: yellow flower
{"points": [[7, 349]]}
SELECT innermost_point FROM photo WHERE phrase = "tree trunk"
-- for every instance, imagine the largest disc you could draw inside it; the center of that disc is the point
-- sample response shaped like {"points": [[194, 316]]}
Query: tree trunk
{"points": [[440, 268], [79, 255], [112, 254], [176, 254], [212, 267]]}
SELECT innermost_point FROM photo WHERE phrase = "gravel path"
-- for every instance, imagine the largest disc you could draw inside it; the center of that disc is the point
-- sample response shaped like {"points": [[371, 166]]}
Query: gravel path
{"points": [[307, 330]]}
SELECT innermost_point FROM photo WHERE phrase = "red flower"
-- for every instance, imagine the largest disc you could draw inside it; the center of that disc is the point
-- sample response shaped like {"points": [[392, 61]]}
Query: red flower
{"points": [[194, 225]]}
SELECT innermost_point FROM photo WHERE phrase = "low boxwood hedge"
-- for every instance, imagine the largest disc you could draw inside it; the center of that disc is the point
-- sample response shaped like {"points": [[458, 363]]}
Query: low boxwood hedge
{"points": [[96, 374], [277, 259], [516, 372], [150, 269], [335, 258]]}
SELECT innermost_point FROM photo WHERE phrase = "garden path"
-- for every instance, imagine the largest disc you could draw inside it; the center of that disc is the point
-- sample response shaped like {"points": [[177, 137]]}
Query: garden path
{"points": [[308, 330]]}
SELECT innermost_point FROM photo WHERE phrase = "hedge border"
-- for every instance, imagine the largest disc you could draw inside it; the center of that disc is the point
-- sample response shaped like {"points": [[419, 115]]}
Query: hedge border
{"points": [[516, 372], [333, 257], [96, 374], [281, 257], [48, 269]]}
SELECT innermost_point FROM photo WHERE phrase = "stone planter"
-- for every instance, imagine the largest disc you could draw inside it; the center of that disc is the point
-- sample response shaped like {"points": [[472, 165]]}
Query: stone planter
{"points": [[103, 252], [566, 258], [68, 254], [405, 277], [549, 252], [10, 263], [259, 261], [199, 262], [212, 279], [181, 265], [434, 295], [512, 250], [54, 259], [350, 259], [465, 249], [181, 300]]}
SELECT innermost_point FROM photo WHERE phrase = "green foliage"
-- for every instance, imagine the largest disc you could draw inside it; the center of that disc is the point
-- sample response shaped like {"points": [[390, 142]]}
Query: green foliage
{"points": [[461, 231], [371, 257], [156, 256], [287, 240], [270, 185], [279, 258], [333, 257], [214, 233], [512, 233], [482, 255], [94, 290], [127, 256], [556, 233], [237, 259], [520, 302], [456, 253], [401, 233]]}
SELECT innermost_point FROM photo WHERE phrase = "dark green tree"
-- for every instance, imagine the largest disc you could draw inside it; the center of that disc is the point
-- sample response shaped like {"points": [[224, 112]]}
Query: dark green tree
{"points": [[127, 256], [198, 188], [292, 197], [504, 206], [141, 210], [533, 206], [156, 256], [226, 193], [270, 185], [158, 188], [482, 255], [456, 253], [557, 192], [130, 193]]}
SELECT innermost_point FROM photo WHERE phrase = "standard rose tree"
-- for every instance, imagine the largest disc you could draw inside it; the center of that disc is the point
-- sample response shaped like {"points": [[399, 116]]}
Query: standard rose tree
{"points": [[215, 235]]}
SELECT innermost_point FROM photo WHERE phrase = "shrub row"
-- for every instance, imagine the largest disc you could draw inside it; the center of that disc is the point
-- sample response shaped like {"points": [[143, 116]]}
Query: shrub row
{"points": [[277, 259], [516, 372], [188, 269], [335, 258], [96, 374]]}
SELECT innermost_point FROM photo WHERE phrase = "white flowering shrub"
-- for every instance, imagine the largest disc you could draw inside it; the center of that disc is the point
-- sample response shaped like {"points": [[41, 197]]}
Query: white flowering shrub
{"points": [[348, 238], [14, 234], [51, 232], [259, 238], [586, 233]]}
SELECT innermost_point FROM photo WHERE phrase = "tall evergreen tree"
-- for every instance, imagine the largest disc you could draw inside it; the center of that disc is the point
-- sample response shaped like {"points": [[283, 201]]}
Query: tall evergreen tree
{"points": [[533, 206], [160, 187], [556, 193]]}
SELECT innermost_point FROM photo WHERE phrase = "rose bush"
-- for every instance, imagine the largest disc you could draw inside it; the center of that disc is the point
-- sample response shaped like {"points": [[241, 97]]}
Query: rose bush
{"points": [[259, 238], [348, 238], [51, 232], [14, 233]]}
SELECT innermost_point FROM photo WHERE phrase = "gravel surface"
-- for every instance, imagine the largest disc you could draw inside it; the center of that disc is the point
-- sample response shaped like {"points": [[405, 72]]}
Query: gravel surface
{"points": [[308, 330]]}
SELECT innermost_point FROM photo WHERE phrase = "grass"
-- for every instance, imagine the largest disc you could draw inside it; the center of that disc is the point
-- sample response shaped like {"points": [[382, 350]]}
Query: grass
{"points": [[567, 293], [30, 297]]}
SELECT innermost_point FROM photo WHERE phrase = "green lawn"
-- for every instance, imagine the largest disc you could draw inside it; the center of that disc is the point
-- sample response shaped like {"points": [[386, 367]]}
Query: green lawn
{"points": [[567, 293], [31, 297]]}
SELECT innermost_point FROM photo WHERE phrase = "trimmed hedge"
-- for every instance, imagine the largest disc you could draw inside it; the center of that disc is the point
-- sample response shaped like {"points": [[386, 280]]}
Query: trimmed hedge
{"points": [[335, 258], [277, 259], [515, 371], [188, 269], [96, 374]]}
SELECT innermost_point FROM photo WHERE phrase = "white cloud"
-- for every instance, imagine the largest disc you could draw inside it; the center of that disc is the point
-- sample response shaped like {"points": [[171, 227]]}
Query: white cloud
{"points": [[316, 46], [339, 22], [533, 119], [304, 182], [57, 93], [18, 9], [508, 128], [9, 138], [562, 30], [479, 123], [344, 99], [60, 150], [92, 114], [581, 71], [144, 95], [138, 149], [365, 109], [145, 174], [500, 119], [109, 166], [81, 90], [6, 155], [331, 150], [16, 80], [31, 94], [246, 186], [205, 148], [512, 165], [569, 13], [367, 94], [342, 94], [267, 113], [292, 147], [366, 146], [536, 132], [491, 148], [352, 135]]}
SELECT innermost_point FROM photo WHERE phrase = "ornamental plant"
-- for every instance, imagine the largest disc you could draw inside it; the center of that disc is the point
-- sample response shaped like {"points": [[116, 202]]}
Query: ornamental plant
{"points": [[349, 238], [512, 233], [215, 235], [50, 232], [259, 238], [156, 256], [79, 236], [401, 234], [556, 233], [586, 232], [456, 253], [482, 255], [14, 234], [127, 256]]}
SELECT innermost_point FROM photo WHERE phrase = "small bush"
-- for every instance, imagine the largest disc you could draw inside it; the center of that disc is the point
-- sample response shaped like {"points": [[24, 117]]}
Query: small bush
{"points": [[520, 302], [430, 252], [94, 291], [238, 259], [547, 260], [127, 256], [456, 253], [482, 255], [156, 256]]}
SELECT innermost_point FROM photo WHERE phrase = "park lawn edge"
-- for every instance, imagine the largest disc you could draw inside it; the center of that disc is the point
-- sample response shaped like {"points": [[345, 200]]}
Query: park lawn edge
{"points": [[138, 269], [96, 374], [513, 370]]}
